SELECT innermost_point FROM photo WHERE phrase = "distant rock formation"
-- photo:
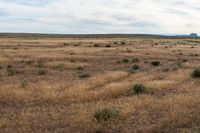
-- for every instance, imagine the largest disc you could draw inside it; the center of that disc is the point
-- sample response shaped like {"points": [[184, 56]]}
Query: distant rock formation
{"points": [[194, 35]]}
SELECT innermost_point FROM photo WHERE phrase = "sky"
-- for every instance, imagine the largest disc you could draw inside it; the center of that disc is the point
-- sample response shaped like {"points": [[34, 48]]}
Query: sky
{"points": [[100, 16]]}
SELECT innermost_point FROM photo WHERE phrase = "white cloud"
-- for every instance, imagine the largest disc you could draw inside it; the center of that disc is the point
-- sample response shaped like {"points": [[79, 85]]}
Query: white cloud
{"points": [[100, 16]]}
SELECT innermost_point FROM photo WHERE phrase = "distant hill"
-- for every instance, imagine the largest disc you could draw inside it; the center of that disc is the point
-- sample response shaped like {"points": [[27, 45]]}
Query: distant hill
{"points": [[38, 35]]}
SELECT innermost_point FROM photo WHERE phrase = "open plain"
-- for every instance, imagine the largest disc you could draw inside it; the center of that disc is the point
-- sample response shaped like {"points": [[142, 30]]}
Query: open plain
{"points": [[88, 84]]}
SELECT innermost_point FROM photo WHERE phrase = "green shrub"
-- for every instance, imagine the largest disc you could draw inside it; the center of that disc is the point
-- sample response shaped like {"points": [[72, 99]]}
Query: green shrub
{"points": [[76, 45], [196, 73], [155, 63], [42, 71], [96, 45], [185, 60], [105, 114], [108, 46], [136, 67], [9, 66], [123, 42], [40, 64], [115, 42], [24, 83], [60, 66], [80, 68], [125, 61], [29, 62], [84, 75], [65, 44], [139, 88], [135, 60], [11, 71]]}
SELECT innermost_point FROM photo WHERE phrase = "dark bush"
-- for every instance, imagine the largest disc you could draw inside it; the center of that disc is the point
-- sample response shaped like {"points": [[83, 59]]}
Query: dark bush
{"points": [[125, 60], [42, 72], [155, 63], [105, 114], [84, 75], [108, 46], [96, 45], [196, 73], [136, 67], [11, 71], [135, 60], [139, 88]]}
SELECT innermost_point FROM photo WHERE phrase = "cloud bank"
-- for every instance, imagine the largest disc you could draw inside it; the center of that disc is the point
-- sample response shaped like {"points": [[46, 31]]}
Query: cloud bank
{"points": [[100, 16]]}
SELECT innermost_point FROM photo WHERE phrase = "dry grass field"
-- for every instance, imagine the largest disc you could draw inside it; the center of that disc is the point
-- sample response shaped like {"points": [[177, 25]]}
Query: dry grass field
{"points": [[99, 85]]}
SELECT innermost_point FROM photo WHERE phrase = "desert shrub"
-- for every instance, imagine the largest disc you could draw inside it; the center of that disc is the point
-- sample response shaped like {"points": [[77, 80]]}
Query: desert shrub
{"points": [[185, 60], [96, 45], [40, 64], [76, 45], [139, 88], [66, 44], [196, 73], [11, 71], [29, 62], [60, 66], [1, 67], [155, 63], [24, 83], [105, 114], [115, 42], [9, 66], [135, 60], [83, 75], [72, 60], [194, 55], [125, 60], [131, 71], [42, 71], [136, 67], [123, 42], [108, 46], [80, 68]]}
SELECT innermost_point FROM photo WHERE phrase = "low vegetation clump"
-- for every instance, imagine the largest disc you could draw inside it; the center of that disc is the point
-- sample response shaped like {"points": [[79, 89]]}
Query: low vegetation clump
{"points": [[80, 68], [42, 71], [1, 67], [108, 46], [83, 75], [185, 60], [96, 45], [196, 73], [139, 88], [11, 71], [40, 64], [29, 62], [155, 63], [125, 61], [135, 60], [60, 66], [66, 44], [123, 42], [24, 83], [76, 45], [105, 114], [136, 67]]}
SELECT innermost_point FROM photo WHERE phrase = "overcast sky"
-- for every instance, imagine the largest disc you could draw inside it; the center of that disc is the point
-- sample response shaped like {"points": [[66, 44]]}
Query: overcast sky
{"points": [[100, 16]]}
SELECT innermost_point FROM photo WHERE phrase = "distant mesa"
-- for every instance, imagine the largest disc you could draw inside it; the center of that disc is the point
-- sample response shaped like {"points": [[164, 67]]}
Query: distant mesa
{"points": [[194, 35]]}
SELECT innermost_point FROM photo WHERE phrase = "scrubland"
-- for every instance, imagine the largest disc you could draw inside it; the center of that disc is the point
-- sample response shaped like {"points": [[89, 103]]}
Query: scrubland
{"points": [[99, 85]]}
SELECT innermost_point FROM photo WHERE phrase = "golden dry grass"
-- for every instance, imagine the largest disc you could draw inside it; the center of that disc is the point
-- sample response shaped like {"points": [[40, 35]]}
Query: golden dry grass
{"points": [[59, 100]]}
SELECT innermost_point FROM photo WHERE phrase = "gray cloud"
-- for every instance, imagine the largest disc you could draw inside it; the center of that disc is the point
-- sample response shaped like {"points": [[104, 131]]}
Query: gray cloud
{"points": [[100, 16]]}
